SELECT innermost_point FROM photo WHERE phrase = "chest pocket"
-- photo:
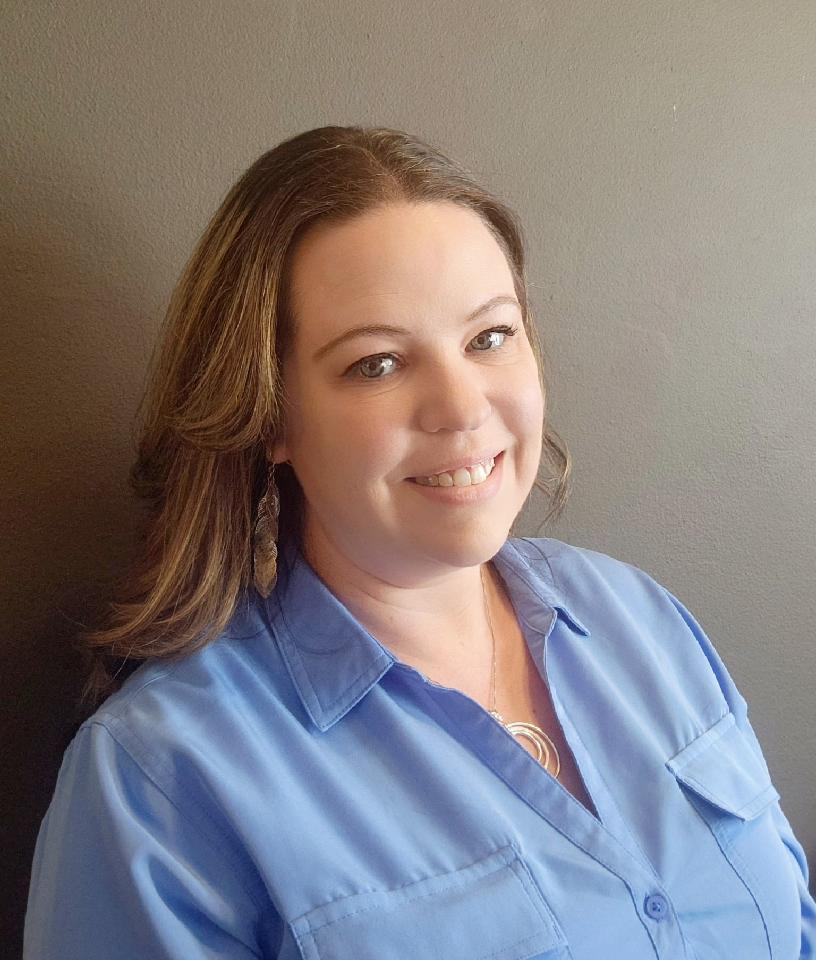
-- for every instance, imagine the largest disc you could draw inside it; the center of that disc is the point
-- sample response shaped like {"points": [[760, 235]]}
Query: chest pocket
{"points": [[489, 909], [731, 789]]}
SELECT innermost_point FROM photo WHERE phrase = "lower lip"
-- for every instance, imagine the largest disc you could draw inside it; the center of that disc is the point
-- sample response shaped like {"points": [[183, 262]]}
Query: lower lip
{"points": [[465, 495]]}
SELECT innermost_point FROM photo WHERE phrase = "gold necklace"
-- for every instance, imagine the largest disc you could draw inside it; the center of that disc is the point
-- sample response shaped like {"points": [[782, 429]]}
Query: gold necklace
{"points": [[518, 728]]}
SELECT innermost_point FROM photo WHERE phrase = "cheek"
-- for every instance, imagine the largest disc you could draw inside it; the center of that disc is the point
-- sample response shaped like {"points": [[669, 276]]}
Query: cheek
{"points": [[357, 438], [528, 427], [526, 401], [363, 448]]}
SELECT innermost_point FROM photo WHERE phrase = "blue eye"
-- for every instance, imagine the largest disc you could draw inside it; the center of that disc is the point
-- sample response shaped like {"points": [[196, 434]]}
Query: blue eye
{"points": [[370, 363], [505, 331]]}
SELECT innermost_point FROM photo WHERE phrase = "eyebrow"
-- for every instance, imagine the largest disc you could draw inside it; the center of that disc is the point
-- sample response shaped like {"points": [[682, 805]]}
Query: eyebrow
{"points": [[374, 329]]}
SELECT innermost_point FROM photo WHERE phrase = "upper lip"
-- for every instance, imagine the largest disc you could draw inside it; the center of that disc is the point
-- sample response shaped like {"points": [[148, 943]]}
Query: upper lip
{"points": [[478, 457]]}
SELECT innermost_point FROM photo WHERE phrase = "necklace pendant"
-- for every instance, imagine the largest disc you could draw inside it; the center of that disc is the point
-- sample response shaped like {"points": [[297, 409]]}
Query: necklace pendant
{"points": [[543, 744]]}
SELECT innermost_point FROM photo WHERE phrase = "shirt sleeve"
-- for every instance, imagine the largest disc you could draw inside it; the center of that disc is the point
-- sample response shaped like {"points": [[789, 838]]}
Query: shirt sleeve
{"points": [[739, 708], [121, 870]]}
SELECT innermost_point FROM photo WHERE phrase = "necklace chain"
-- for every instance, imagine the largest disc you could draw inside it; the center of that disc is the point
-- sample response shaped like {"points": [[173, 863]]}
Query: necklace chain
{"points": [[518, 728]]}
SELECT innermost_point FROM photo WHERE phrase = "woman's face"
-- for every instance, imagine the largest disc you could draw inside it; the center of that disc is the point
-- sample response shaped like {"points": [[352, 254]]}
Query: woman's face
{"points": [[369, 412]]}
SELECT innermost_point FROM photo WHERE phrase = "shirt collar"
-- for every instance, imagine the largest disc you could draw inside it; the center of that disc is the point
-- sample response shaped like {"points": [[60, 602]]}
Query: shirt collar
{"points": [[334, 661]]}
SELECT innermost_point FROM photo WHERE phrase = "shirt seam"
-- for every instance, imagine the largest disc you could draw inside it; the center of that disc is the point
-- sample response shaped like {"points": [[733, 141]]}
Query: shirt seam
{"points": [[126, 696], [544, 557], [694, 749], [485, 760], [455, 884], [741, 871], [560, 602], [223, 853], [531, 585], [758, 802]]}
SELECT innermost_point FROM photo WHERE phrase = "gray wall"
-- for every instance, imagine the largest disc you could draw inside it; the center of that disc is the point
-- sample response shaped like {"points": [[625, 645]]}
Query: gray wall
{"points": [[661, 158]]}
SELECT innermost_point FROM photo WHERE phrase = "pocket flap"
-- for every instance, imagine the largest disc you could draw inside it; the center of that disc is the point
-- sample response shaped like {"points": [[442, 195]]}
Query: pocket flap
{"points": [[722, 767], [488, 909]]}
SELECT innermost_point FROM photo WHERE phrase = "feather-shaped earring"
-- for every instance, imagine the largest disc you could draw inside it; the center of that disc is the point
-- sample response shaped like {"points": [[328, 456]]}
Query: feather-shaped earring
{"points": [[264, 540]]}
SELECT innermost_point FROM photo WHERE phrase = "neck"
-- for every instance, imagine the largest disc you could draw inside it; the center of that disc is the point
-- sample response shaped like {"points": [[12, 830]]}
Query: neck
{"points": [[440, 626]]}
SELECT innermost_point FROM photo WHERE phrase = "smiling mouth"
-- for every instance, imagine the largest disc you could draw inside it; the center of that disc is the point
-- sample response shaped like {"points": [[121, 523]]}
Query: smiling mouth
{"points": [[463, 477]]}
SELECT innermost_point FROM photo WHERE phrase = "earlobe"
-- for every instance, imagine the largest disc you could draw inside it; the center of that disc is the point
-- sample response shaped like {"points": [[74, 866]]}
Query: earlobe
{"points": [[279, 453]]}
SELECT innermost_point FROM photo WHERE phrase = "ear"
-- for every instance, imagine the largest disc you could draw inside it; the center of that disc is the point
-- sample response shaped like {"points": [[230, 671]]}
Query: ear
{"points": [[279, 452]]}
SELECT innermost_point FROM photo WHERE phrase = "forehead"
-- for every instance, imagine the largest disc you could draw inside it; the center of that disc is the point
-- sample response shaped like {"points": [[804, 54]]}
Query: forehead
{"points": [[411, 257]]}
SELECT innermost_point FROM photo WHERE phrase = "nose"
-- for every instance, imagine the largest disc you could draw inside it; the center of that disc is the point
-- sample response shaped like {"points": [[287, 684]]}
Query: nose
{"points": [[453, 396]]}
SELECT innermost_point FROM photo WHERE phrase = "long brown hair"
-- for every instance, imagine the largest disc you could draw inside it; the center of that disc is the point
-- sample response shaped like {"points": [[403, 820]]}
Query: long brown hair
{"points": [[214, 402]]}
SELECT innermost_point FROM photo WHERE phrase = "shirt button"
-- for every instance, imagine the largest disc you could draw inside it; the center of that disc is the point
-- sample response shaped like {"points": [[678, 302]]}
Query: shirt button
{"points": [[656, 906]]}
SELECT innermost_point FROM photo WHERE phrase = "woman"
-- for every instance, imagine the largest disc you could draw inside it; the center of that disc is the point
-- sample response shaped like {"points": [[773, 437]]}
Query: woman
{"points": [[369, 721]]}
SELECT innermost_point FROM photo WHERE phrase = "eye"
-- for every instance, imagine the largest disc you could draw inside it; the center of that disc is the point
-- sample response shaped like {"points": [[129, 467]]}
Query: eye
{"points": [[495, 337], [369, 366], [372, 363]]}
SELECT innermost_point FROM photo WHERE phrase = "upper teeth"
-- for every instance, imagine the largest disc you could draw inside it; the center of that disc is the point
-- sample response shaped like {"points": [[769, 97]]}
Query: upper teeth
{"points": [[463, 477]]}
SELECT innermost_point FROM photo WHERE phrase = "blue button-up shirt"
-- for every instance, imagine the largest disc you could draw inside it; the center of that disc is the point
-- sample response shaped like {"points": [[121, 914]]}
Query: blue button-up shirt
{"points": [[294, 790]]}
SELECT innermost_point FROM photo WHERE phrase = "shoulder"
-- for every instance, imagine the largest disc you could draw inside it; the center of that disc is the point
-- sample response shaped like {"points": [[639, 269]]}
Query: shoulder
{"points": [[579, 573], [167, 757], [633, 620], [601, 590], [179, 718], [141, 784]]}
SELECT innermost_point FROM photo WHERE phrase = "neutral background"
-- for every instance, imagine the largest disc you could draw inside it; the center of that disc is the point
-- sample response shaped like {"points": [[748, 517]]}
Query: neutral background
{"points": [[661, 157]]}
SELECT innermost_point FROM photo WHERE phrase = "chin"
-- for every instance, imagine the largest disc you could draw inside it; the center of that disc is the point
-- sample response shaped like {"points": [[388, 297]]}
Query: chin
{"points": [[475, 545]]}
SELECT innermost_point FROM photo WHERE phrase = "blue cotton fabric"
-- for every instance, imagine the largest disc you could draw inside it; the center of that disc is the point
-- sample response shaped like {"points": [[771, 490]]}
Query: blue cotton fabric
{"points": [[294, 790]]}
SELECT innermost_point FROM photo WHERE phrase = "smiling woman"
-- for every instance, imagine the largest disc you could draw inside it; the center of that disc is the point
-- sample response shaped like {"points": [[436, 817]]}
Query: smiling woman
{"points": [[449, 395], [298, 747]]}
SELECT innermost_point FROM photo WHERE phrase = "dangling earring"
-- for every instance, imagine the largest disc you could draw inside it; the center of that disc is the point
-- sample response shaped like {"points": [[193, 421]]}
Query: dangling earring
{"points": [[264, 545]]}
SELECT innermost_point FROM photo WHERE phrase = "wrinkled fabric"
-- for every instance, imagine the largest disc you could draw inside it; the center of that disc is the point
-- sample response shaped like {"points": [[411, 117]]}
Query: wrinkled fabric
{"points": [[294, 790]]}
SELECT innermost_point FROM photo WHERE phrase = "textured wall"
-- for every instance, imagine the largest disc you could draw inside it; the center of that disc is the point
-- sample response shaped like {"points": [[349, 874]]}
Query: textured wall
{"points": [[661, 157]]}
